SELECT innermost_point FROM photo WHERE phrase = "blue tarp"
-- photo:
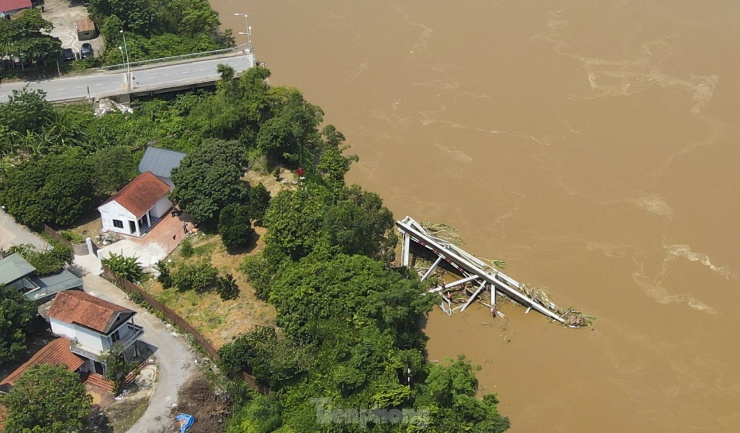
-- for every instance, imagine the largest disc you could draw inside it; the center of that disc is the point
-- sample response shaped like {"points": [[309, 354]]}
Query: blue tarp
{"points": [[186, 421]]}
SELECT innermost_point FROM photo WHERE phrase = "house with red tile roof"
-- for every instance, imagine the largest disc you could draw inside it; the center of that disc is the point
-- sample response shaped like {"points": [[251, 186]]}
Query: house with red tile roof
{"points": [[9, 8], [137, 206], [56, 352], [93, 326]]}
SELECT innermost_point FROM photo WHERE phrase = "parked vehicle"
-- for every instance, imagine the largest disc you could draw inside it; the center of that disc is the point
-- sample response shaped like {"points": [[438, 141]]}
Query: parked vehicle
{"points": [[68, 54], [86, 51]]}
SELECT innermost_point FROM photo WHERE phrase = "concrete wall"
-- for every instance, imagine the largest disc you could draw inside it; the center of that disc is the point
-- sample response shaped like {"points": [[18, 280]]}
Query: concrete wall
{"points": [[160, 209], [114, 211]]}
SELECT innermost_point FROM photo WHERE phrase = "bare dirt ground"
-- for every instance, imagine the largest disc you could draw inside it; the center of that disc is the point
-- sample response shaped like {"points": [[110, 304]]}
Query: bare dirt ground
{"points": [[63, 14]]}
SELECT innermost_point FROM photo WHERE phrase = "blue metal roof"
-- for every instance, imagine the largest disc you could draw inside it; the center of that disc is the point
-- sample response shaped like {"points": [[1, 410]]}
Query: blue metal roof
{"points": [[160, 161]]}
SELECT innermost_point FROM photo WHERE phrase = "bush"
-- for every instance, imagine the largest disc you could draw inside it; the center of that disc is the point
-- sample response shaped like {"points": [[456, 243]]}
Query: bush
{"points": [[201, 277], [227, 288], [48, 260], [186, 248], [234, 226], [124, 267], [259, 200], [165, 277]]}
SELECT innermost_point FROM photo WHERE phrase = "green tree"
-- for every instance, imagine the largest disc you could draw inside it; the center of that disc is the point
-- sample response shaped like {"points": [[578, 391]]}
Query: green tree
{"points": [[116, 367], [227, 288], [449, 392], [27, 37], [26, 110], [209, 178], [238, 108], [291, 134], [259, 201], [294, 221], [53, 190], [49, 399], [112, 168], [47, 260], [234, 226], [16, 313], [124, 267], [165, 276]]}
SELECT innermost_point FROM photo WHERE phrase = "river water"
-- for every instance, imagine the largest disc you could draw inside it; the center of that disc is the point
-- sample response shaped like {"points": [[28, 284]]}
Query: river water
{"points": [[591, 145]]}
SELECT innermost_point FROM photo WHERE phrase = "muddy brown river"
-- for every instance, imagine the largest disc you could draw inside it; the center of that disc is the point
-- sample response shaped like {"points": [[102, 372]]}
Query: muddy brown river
{"points": [[593, 146]]}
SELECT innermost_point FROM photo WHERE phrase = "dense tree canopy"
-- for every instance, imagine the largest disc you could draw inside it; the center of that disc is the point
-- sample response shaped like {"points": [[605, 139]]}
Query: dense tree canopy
{"points": [[234, 226], [54, 190], [209, 178], [49, 399], [16, 314], [27, 37]]}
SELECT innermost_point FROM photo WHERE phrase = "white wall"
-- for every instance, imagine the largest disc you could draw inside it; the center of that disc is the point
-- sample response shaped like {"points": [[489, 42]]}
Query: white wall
{"points": [[87, 338], [112, 210], [62, 329], [161, 208], [91, 339]]}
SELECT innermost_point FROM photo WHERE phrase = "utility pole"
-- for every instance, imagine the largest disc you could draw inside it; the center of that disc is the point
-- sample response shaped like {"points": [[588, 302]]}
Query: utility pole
{"points": [[248, 34]]}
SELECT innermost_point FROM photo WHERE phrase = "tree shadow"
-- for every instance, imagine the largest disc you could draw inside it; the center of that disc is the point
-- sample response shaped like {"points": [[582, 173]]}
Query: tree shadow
{"points": [[254, 237]]}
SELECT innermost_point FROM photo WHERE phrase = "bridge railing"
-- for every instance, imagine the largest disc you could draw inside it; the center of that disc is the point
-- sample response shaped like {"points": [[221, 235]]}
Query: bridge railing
{"points": [[175, 58]]}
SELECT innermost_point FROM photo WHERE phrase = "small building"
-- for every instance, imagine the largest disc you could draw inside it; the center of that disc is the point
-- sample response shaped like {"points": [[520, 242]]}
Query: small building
{"points": [[16, 272], [160, 162], [56, 352], [137, 206], [8, 8], [93, 326], [86, 29]]}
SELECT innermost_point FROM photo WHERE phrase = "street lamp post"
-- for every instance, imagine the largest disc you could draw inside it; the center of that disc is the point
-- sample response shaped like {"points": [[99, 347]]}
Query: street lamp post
{"points": [[248, 34], [127, 62]]}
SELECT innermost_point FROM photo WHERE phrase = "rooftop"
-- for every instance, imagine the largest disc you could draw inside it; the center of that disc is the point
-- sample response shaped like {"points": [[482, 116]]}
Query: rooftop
{"points": [[74, 306], [14, 267], [141, 194], [160, 161], [56, 352], [11, 5], [84, 25]]}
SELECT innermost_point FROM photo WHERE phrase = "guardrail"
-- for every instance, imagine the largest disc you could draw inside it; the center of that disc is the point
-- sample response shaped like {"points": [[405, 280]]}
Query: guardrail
{"points": [[174, 58]]}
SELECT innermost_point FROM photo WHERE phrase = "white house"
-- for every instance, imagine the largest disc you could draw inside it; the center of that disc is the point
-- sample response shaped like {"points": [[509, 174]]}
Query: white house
{"points": [[93, 326], [137, 206]]}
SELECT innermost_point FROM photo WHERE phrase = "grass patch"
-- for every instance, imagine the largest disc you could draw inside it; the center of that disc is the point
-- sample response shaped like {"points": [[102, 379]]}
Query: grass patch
{"points": [[205, 249], [123, 414]]}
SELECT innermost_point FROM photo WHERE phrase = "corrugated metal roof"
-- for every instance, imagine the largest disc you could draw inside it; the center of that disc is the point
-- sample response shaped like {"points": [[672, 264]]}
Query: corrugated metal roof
{"points": [[13, 268], [160, 161]]}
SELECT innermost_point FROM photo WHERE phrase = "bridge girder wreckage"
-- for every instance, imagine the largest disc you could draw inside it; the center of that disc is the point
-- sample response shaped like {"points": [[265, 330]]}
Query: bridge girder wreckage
{"points": [[477, 278]]}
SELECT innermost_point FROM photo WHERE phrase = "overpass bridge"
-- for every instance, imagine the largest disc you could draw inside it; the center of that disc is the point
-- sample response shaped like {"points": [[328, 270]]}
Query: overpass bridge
{"points": [[144, 79]]}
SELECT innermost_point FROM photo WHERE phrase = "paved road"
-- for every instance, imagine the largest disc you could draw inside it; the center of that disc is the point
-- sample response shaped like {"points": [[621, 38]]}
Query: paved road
{"points": [[12, 233], [175, 356], [109, 83]]}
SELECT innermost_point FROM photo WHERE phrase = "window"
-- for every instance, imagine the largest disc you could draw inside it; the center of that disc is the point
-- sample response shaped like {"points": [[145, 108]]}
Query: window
{"points": [[118, 224], [116, 336]]}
